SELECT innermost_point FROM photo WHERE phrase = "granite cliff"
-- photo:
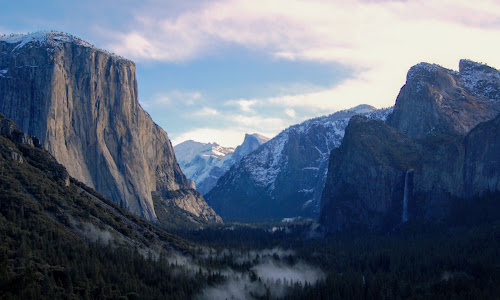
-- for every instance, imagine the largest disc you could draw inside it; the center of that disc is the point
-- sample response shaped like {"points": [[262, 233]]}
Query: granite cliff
{"points": [[435, 99], [440, 144], [82, 103]]}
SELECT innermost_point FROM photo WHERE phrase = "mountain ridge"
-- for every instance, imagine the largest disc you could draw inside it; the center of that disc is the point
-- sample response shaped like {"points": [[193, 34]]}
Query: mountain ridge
{"points": [[205, 163], [284, 177]]}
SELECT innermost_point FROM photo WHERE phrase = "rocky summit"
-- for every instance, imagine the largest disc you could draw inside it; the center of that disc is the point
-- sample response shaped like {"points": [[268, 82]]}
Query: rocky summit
{"points": [[435, 99], [82, 104], [205, 163], [440, 144], [284, 177]]}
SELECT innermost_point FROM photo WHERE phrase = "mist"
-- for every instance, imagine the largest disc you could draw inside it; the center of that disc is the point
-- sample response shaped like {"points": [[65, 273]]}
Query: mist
{"points": [[273, 273]]}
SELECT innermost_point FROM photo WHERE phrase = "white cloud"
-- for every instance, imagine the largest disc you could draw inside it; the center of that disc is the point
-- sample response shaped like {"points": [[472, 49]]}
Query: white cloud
{"points": [[243, 104], [177, 98], [224, 137], [231, 136], [290, 112], [206, 111], [258, 122], [380, 39]]}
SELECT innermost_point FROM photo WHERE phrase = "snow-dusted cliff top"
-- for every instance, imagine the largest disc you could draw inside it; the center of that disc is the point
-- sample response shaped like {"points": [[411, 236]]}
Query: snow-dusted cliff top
{"points": [[48, 38]]}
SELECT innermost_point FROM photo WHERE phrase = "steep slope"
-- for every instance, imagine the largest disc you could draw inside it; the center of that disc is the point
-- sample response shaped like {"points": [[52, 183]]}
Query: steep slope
{"points": [[482, 159], [382, 176], [205, 163], [82, 104], [285, 176]]}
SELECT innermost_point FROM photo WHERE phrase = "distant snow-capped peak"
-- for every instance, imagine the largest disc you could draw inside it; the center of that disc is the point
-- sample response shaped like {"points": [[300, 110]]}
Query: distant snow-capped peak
{"points": [[204, 163]]}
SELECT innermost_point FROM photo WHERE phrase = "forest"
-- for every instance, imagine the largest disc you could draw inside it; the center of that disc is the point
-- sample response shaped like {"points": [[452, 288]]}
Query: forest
{"points": [[62, 240]]}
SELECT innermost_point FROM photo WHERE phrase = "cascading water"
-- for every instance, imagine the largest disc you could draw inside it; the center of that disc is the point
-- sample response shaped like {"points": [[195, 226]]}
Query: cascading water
{"points": [[404, 217]]}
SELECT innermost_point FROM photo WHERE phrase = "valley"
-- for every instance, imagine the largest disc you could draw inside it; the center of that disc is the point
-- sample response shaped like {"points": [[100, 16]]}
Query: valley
{"points": [[364, 203]]}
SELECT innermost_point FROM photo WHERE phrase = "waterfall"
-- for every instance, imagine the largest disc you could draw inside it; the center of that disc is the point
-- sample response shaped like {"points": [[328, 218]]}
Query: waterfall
{"points": [[404, 217]]}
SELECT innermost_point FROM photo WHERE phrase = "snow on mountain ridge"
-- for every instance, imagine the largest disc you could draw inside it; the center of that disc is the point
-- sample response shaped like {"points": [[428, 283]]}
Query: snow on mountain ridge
{"points": [[270, 160], [206, 162], [480, 79], [285, 176]]}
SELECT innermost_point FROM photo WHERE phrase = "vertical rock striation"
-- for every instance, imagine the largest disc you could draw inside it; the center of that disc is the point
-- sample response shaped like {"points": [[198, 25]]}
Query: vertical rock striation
{"points": [[82, 103]]}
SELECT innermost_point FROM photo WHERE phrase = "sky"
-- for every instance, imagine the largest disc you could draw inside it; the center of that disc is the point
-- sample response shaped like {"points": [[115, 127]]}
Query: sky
{"points": [[212, 71]]}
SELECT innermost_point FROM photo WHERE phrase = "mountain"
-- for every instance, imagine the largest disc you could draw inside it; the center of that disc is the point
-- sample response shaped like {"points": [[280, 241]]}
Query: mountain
{"points": [[205, 163], [81, 102], [435, 99], [285, 176], [439, 145], [63, 240], [250, 143]]}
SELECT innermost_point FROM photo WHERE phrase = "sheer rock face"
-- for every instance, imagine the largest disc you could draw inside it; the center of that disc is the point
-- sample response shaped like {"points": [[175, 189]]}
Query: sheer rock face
{"points": [[482, 159], [366, 177], [437, 100], [82, 103], [449, 148]]}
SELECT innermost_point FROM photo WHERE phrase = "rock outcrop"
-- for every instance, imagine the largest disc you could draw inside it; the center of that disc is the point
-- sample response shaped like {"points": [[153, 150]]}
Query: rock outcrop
{"points": [[438, 145], [438, 100], [284, 177], [81, 102], [367, 173], [482, 159]]}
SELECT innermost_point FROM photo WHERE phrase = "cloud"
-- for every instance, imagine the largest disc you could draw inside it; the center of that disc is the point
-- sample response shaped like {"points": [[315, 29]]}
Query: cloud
{"points": [[173, 98], [290, 112], [379, 39], [205, 111], [243, 104], [270, 275], [225, 137]]}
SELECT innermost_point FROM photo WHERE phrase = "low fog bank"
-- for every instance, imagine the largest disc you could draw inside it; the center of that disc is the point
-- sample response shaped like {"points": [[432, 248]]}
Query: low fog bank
{"points": [[249, 274]]}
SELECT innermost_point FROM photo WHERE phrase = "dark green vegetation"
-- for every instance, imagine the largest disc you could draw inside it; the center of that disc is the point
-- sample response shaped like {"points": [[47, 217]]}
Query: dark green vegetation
{"points": [[457, 259], [62, 240]]}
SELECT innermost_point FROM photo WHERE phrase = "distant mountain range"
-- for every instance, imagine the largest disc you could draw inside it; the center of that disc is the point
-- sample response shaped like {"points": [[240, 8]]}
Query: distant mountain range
{"points": [[285, 176], [205, 163]]}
